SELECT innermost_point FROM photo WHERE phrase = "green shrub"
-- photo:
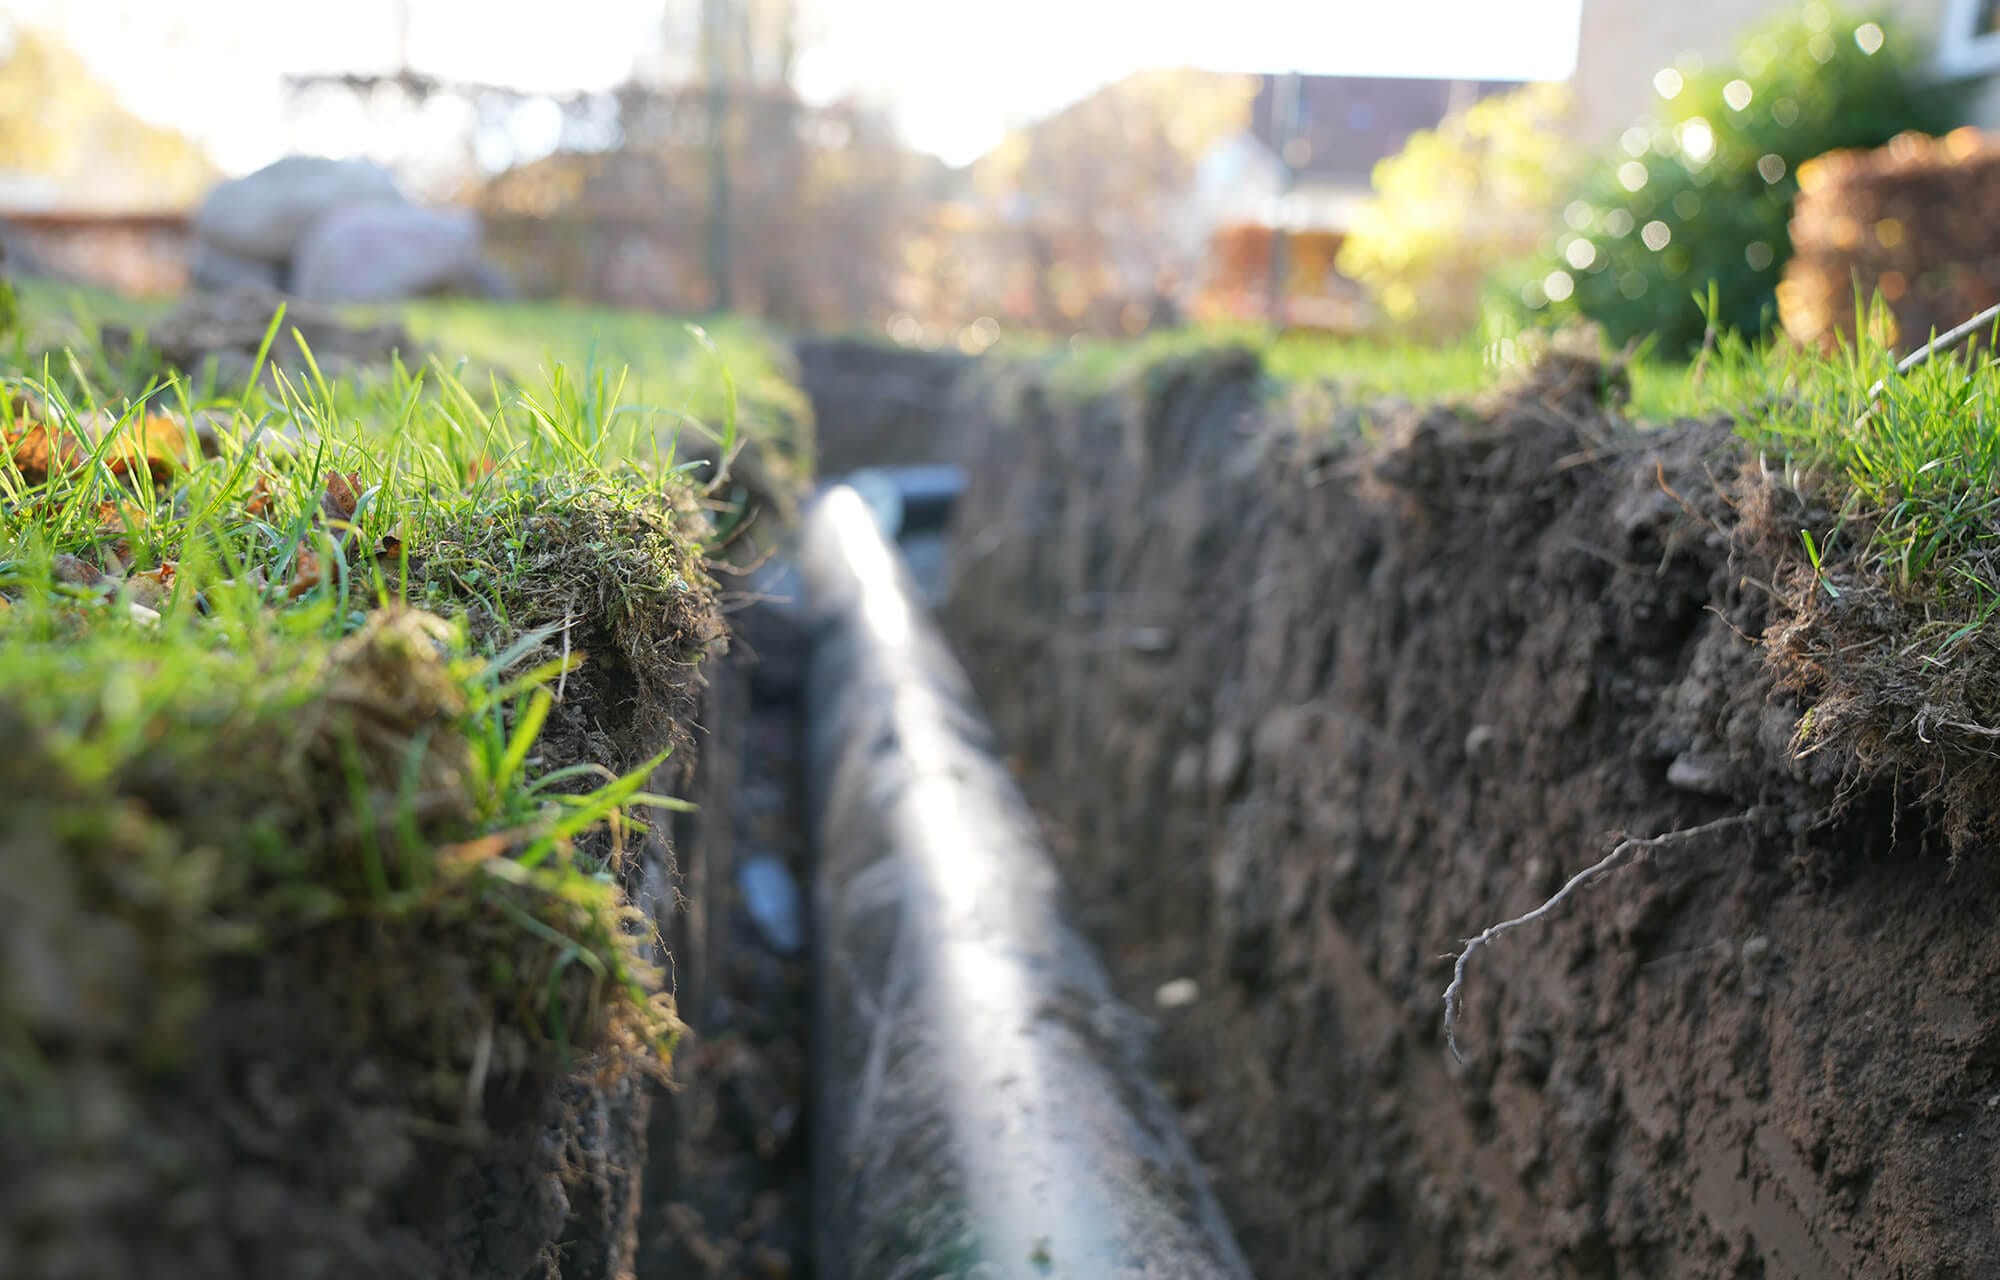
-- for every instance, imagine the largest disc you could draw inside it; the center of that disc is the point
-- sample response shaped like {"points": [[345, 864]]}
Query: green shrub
{"points": [[1701, 193]]}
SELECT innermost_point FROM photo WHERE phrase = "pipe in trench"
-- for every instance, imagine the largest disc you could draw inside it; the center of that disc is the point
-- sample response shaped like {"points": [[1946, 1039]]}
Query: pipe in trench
{"points": [[982, 1104]]}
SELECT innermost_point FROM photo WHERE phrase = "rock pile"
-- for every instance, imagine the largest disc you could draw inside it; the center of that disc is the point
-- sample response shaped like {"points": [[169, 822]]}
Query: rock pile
{"points": [[335, 231]]}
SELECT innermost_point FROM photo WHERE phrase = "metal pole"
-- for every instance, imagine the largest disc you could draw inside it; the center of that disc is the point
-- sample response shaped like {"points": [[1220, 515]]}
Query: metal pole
{"points": [[1286, 109], [716, 43]]}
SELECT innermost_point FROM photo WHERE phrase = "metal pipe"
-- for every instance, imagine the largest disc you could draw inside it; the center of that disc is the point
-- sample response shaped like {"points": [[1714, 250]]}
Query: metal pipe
{"points": [[981, 1104]]}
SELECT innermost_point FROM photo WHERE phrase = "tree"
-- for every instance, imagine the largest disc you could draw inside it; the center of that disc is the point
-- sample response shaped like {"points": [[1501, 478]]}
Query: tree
{"points": [[1475, 191], [1096, 189], [1701, 194], [60, 123]]}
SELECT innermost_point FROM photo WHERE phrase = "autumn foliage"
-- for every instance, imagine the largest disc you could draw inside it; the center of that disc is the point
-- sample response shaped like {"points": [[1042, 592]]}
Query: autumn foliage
{"points": [[1475, 192], [156, 443]]}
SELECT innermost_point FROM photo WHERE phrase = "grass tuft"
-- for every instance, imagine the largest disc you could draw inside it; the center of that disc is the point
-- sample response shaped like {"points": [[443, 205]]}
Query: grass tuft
{"points": [[356, 682]]}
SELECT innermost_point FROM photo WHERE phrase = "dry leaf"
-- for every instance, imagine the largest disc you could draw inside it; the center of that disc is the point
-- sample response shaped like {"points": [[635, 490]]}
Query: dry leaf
{"points": [[261, 499], [164, 444], [120, 515], [159, 443], [343, 495], [38, 450], [305, 573]]}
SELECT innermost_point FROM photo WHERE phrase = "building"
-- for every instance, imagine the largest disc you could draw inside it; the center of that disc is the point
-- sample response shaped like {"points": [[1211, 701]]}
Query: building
{"points": [[1276, 200]]}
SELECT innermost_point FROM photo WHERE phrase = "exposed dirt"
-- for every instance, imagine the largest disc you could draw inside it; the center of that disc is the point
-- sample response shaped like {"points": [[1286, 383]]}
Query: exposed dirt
{"points": [[876, 404], [728, 1189], [349, 1097], [1303, 713]]}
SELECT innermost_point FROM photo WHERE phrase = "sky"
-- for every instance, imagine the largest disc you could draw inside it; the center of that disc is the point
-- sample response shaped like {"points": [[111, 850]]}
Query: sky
{"points": [[955, 74]]}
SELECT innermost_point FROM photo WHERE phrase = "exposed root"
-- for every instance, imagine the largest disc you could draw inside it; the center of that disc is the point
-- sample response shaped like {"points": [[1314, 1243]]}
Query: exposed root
{"points": [[1627, 852]]}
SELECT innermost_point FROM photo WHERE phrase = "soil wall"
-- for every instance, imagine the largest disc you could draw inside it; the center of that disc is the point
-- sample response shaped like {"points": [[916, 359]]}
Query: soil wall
{"points": [[876, 404], [1308, 696]]}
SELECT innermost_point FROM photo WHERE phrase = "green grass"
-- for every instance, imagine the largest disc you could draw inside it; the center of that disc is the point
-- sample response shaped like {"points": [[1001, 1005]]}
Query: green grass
{"points": [[1911, 477], [674, 361], [1357, 368], [673, 364], [304, 680], [1909, 474]]}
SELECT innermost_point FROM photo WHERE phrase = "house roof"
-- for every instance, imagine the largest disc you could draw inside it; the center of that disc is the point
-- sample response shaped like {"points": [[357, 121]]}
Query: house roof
{"points": [[1348, 123]]}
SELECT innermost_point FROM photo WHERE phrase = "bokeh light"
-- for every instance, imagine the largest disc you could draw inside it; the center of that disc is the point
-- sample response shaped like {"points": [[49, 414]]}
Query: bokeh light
{"points": [[1697, 138]]}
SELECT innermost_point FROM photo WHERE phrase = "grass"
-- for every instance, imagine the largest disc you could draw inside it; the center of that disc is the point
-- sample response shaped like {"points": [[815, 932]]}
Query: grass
{"points": [[1909, 471], [694, 368], [1908, 474], [704, 370], [1886, 521], [337, 665], [1357, 369]]}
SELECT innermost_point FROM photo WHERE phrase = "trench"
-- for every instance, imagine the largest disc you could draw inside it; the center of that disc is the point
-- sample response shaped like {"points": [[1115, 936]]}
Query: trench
{"points": [[905, 1060], [1299, 705]]}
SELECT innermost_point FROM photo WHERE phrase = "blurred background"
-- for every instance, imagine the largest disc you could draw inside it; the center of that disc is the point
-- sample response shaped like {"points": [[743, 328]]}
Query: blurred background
{"points": [[941, 175]]}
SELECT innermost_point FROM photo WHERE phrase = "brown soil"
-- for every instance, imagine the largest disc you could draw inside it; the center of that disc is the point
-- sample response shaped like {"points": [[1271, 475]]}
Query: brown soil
{"points": [[876, 404], [727, 1185], [351, 1100], [1304, 714]]}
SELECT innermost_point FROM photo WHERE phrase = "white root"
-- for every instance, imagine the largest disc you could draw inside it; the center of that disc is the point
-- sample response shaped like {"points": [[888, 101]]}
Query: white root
{"points": [[1628, 851]]}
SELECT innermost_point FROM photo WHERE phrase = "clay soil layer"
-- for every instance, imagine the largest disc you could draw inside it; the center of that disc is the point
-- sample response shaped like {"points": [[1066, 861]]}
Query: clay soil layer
{"points": [[1304, 712]]}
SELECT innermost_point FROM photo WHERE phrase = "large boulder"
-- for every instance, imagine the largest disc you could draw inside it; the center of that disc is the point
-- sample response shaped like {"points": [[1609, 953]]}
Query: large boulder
{"points": [[377, 253], [264, 214]]}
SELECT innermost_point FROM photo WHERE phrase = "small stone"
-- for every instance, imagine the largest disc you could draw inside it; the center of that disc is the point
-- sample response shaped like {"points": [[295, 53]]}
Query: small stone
{"points": [[771, 896], [1478, 740], [1177, 994], [76, 571], [1226, 761], [1702, 774], [1756, 950]]}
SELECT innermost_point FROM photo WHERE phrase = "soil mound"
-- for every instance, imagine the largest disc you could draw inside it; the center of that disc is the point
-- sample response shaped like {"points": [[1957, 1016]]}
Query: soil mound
{"points": [[219, 335]]}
